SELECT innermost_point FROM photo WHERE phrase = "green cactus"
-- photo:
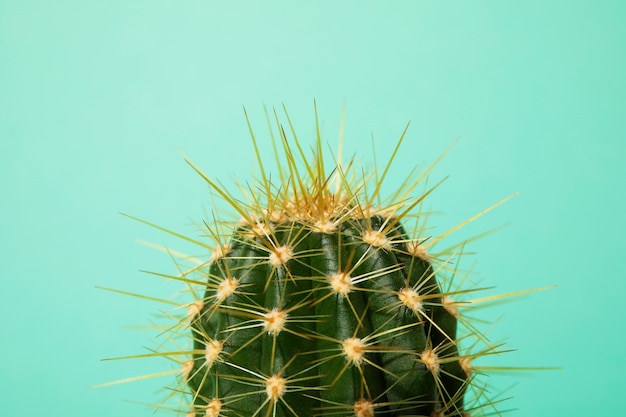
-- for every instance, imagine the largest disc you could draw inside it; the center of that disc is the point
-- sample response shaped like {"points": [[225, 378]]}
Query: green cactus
{"points": [[325, 307], [319, 302]]}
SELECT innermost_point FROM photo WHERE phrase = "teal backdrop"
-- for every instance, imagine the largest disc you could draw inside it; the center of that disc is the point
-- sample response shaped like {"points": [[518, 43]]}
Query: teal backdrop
{"points": [[100, 100]]}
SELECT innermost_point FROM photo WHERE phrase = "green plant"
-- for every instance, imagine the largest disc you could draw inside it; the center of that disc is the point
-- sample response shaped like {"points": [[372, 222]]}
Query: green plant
{"points": [[320, 302]]}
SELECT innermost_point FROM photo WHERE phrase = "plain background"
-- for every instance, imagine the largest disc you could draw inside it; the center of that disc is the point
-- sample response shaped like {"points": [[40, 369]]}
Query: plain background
{"points": [[98, 99]]}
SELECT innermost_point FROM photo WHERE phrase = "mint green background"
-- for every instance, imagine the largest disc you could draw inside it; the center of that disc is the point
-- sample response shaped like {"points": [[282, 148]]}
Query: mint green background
{"points": [[99, 98]]}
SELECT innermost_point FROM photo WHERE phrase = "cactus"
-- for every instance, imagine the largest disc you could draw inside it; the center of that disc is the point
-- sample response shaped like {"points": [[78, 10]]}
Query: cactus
{"points": [[319, 302]]}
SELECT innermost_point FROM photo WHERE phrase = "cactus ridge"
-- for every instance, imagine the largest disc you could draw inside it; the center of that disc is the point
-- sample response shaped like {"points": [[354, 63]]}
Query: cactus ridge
{"points": [[318, 302]]}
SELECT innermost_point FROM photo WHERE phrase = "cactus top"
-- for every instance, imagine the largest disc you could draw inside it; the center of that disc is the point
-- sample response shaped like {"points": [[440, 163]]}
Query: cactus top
{"points": [[318, 302]]}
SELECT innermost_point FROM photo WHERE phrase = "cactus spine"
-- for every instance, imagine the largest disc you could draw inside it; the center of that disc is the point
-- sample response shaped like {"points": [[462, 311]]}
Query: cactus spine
{"points": [[319, 302]]}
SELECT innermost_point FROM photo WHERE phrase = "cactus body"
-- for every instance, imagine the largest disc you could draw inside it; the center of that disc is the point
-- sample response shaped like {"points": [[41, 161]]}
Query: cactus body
{"points": [[325, 300], [345, 320]]}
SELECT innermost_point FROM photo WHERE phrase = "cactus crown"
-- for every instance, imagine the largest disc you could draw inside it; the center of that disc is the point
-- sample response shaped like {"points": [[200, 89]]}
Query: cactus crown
{"points": [[318, 302]]}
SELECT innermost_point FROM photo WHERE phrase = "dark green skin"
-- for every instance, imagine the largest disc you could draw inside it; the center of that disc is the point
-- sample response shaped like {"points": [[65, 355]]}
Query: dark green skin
{"points": [[313, 356]]}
